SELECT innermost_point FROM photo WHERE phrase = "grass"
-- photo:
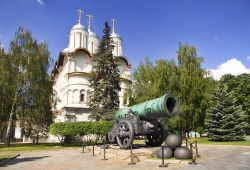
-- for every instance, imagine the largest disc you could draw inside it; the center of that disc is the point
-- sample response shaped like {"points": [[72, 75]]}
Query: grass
{"points": [[204, 140], [4, 157], [32, 147], [52, 146], [139, 141]]}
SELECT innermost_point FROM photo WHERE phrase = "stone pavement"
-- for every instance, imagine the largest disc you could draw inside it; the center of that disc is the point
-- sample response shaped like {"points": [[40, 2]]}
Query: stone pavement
{"points": [[212, 158], [222, 157]]}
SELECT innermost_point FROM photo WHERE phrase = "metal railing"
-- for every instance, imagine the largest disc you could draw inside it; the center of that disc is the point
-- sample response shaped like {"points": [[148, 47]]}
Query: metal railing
{"points": [[193, 146]]}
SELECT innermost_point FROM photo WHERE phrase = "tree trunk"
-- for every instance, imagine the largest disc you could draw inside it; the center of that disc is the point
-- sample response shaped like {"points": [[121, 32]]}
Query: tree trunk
{"points": [[187, 132], [37, 138], [10, 123], [180, 132]]}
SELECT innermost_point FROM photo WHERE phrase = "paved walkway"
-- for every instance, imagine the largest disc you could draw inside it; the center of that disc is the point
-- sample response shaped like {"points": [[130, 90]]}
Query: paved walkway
{"points": [[222, 157], [213, 158]]}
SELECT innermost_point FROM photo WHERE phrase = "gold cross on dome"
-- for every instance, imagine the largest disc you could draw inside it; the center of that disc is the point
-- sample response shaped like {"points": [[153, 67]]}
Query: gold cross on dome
{"points": [[113, 25], [80, 15], [89, 19]]}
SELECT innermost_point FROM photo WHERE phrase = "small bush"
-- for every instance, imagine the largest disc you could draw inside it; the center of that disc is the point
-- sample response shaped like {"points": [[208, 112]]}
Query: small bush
{"points": [[74, 129]]}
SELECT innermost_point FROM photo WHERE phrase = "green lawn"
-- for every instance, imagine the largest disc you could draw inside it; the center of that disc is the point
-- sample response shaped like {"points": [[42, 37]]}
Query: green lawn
{"points": [[50, 146], [204, 140], [31, 147], [4, 157]]}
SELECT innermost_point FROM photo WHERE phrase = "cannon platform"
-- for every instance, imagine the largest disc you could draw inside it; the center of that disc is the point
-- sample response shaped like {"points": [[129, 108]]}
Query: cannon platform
{"points": [[141, 152]]}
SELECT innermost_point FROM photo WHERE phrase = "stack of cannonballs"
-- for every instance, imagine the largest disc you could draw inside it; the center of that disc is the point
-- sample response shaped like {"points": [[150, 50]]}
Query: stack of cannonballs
{"points": [[174, 148]]}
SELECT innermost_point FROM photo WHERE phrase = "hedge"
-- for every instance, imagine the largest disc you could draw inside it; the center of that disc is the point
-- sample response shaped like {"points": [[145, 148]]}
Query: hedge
{"points": [[63, 129]]}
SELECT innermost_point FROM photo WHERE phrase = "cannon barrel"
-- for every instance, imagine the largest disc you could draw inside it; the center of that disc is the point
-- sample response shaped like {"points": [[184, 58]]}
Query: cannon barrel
{"points": [[166, 105]]}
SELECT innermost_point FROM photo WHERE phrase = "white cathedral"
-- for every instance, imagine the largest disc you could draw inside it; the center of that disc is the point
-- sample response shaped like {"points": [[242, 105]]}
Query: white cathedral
{"points": [[72, 70]]}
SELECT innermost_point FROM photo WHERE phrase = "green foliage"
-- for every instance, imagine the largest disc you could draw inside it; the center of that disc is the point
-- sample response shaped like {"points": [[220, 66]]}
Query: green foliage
{"points": [[27, 87], [225, 119], [5, 90], [152, 81], [193, 88], [186, 80], [62, 129], [19, 147], [104, 80], [240, 85]]}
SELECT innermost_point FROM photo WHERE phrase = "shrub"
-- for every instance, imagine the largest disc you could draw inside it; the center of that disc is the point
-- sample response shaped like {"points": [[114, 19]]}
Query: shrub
{"points": [[74, 129]]}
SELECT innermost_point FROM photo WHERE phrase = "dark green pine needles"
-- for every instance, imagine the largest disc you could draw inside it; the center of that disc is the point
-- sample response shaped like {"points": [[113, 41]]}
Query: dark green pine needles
{"points": [[225, 120], [104, 80]]}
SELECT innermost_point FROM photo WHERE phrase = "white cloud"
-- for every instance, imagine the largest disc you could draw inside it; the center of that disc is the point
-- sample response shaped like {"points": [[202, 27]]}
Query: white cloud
{"points": [[40, 2], [248, 57], [232, 66]]}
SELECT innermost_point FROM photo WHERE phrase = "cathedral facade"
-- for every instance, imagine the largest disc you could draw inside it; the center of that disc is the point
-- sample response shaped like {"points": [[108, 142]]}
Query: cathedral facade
{"points": [[71, 73]]}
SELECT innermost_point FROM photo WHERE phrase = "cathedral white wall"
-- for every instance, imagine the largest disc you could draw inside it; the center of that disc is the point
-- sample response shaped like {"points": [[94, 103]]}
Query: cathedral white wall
{"points": [[61, 85], [124, 69], [82, 62], [78, 39], [74, 94], [117, 51], [78, 80], [93, 44], [69, 88], [73, 79], [124, 87]]}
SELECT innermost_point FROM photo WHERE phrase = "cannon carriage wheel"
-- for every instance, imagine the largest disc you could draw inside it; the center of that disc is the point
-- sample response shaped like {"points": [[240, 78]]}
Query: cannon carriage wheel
{"points": [[125, 134], [157, 138]]}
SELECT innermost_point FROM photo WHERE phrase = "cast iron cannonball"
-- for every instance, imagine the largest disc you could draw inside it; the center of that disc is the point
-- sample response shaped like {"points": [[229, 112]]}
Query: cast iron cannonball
{"points": [[182, 153], [173, 141], [168, 153]]}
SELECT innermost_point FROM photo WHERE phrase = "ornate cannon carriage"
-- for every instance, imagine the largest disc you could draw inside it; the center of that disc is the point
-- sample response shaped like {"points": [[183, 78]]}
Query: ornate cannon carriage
{"points": [[141, 120]]}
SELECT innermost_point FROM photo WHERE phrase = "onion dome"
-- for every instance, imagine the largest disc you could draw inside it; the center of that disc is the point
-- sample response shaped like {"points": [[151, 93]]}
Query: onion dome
{"points": [[93, 39], [78, 37], [117, 51]]}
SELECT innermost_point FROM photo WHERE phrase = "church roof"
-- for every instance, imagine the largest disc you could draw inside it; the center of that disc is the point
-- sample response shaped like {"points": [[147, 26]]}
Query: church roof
{"points": [[93, 34], [62, 54], [124, 59], [78, 26], [79, 49]]}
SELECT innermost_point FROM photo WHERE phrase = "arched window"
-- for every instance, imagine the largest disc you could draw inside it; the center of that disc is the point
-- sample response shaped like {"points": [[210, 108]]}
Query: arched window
{"points": [[75, 97], [82, 96], [70, 97]]}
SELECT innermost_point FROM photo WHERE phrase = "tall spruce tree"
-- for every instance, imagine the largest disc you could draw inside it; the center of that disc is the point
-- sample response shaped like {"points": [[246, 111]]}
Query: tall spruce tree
{"points": [[241, 86], [225, 119], [104, 81]]}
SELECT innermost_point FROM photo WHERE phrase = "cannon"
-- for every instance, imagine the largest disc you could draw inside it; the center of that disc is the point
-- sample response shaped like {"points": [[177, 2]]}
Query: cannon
{"points": [[142, 120]]}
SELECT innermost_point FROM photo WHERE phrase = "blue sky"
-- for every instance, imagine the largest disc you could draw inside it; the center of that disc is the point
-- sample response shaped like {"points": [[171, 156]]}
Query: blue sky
{"points": [[220, 29]]}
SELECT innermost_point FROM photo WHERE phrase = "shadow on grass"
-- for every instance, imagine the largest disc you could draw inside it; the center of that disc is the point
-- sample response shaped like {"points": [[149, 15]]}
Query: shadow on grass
{"points": [[20, 160], [3, 160], [30, 146]]}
